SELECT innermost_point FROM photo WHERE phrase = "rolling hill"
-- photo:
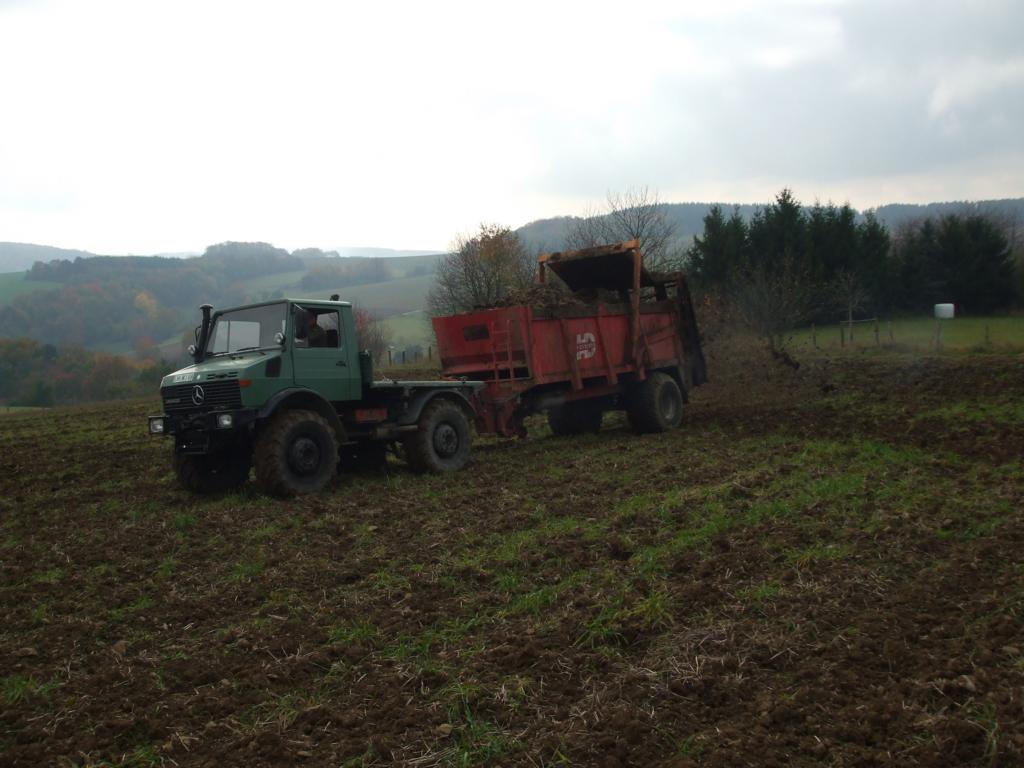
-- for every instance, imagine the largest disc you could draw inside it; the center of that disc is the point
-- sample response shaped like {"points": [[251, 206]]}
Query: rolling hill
{"points": [[112, 302]]}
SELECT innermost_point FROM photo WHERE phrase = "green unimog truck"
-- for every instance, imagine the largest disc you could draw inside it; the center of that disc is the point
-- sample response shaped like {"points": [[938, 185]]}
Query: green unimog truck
{"points": [[282, 387]]}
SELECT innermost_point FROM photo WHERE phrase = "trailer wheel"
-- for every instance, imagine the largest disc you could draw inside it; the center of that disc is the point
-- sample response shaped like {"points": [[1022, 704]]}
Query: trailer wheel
{"points": [[215, 472], [575, 419], [655, 404], [442, 442], [297, 453]]}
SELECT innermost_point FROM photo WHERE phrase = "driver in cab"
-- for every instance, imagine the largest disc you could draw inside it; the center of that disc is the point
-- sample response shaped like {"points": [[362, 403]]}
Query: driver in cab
{"points": [[312, 334]]}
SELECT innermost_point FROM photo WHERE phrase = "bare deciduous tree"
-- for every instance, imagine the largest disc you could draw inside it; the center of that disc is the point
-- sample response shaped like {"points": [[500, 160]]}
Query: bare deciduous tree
{"points": [[634, 214], [773, 300], [481, 271], [850, 293]]}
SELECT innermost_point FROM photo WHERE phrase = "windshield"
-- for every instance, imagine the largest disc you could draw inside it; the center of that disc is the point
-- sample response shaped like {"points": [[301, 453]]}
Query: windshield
{"points": [[252, 328]]}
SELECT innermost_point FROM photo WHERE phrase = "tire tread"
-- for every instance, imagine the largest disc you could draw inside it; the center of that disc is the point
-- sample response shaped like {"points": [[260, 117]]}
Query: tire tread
{"points": [[643, 411], [419, 449], [272, 473]]}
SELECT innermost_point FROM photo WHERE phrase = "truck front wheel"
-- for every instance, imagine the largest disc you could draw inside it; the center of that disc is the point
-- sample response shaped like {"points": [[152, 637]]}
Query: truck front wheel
{"points": [[214, 472], [655, 404], [297, 453], [442, 442]]}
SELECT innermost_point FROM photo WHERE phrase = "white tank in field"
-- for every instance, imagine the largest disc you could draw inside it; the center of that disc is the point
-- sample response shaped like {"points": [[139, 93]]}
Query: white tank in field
{"points": [[945, 311]]}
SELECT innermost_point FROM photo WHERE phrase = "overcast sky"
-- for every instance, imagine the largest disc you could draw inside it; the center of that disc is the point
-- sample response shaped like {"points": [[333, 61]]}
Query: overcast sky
{"points": [[143, 127]]}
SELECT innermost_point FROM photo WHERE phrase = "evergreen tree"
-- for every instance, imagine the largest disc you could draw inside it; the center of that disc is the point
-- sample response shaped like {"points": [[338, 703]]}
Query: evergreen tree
{"points": [[872, 257], [722, 251], [961, 259], [975, 262], [778, 236]]}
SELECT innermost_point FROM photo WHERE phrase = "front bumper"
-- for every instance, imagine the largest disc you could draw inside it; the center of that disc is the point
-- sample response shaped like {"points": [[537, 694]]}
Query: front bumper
{"points": [[202, 432]]}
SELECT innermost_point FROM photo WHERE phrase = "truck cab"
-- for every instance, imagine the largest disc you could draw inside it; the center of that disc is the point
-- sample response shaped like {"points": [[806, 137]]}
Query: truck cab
{"points": [[283, 386]]}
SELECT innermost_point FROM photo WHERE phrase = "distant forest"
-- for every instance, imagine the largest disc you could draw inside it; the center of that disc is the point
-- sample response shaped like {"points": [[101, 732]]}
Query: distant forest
{"points": [[688, 218], [139, 301], [897, 258], [789, 265]]}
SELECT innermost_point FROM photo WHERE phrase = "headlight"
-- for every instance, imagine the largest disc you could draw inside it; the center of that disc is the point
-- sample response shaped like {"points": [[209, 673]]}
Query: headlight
{"points": [[156, 426], [224, 421]]}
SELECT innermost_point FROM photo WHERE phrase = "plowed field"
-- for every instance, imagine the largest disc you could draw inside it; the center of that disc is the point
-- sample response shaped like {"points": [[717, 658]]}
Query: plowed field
{"points": [[821, 568]]}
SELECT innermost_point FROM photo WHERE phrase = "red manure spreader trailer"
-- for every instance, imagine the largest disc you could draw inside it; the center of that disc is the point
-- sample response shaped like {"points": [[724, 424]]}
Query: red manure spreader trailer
{"points": [[620, 337]]}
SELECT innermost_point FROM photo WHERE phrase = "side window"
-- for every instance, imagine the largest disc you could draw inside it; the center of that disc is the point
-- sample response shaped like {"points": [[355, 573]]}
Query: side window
{"points": [[316, 328], [328, 321]]}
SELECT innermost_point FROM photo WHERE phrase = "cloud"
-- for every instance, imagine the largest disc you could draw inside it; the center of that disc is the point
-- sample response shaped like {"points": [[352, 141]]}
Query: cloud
{"points": [[140, 128], [974, 82], [866, 95]]}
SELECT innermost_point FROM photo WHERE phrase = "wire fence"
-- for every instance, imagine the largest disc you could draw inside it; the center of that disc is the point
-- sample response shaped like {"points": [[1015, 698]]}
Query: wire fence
{"points": [[917, 333], [415, 354]]}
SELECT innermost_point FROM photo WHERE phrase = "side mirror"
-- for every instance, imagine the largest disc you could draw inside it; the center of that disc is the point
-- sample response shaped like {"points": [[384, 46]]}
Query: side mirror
{"points": [[279, 338], [191, 350]]}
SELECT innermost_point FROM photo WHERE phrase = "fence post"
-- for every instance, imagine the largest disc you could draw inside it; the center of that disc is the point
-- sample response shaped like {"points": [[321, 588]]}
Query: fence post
{"points": [[842, 335], [814, 336], [389, 358], [403, 357], [876, 332], [430, 352]]}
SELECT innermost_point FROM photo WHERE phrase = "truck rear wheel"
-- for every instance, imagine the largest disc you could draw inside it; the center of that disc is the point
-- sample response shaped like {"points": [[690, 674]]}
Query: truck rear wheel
{"points": [[297, 453], [442, 442], [575, 418], [655, 404], [213, 472]]}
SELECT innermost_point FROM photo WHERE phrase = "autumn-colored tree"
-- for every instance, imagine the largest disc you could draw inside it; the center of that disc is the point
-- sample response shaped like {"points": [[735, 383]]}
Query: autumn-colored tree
{"points": [[373, 334], [481, 271], [41, 374]]}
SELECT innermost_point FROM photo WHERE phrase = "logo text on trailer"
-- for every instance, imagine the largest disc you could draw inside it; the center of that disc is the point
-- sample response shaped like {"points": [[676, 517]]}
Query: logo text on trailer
{"points": [[586, 345]]}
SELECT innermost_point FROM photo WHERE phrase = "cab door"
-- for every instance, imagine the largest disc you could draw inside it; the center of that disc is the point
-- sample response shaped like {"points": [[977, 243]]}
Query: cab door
{"points": [[320, 357]]}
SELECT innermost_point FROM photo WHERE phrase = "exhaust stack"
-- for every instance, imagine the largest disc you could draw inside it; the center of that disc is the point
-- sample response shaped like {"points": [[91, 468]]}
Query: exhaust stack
{"points": [[204, 333]]}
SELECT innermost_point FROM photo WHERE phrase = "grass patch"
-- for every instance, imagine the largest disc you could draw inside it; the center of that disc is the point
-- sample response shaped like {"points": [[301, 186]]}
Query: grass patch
{"points": [[360, 631], [977, 412], [816, 553], [183, 521], [18, 688], [476, 740], [246, 570], [142, 603], [49, 576], [760, 593], [40, 613], [167, 568]]}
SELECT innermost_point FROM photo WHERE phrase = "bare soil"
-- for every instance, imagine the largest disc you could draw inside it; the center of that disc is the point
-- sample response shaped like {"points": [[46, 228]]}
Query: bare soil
{"points": [[822, 567]]}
